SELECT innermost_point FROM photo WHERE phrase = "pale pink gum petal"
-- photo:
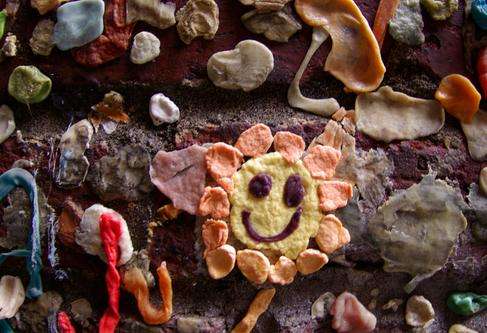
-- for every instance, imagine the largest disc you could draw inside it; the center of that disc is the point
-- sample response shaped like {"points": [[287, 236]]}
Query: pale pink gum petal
{"points": [[310, 261], [181, 176], [321, 161], [334, 194], [283, 271], [289, 145], [214, 233], [223, 160], [331, 234], [350, 316], [255, 141], [214, 202], [221, 261], [254, 265]]}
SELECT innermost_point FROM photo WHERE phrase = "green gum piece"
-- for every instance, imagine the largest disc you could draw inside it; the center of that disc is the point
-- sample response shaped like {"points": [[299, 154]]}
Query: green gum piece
{"points": [[466, 304], [28, 85], [3, 21]]}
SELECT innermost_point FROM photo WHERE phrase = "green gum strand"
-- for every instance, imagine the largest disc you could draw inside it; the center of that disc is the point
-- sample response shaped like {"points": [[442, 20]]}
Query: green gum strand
{"points": [[466, 304], [28, 85], [3, 21]]}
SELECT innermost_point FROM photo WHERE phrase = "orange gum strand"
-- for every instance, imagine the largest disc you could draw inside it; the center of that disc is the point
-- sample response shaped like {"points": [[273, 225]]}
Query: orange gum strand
{"points": [[482, 69], [136, 284], [258, 306], [385, 12]]}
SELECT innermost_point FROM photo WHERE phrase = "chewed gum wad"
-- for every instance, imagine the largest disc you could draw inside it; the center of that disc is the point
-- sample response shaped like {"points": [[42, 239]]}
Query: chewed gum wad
{"points": [[78, 23], [88, 234]]}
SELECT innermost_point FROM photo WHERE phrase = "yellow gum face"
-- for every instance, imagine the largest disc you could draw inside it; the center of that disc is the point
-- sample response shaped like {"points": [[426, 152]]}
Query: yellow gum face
{"points": [[270, 215]]}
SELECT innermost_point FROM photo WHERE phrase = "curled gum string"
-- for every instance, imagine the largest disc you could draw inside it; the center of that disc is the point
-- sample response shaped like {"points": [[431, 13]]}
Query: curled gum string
{"points": [[11, 179], [110, 232], [17, 177], [136, 284]]}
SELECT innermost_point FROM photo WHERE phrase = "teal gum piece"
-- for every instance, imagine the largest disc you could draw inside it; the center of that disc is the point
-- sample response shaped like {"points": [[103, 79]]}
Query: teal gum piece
{"points": [[479, 13], [78, 23], [466, 304], [5, 327], [9, 180]]}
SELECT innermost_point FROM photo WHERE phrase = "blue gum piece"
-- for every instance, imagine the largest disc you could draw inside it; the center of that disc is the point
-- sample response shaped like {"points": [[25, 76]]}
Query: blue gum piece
{"points": [[78, 23], [479, 13], [9, 180]]}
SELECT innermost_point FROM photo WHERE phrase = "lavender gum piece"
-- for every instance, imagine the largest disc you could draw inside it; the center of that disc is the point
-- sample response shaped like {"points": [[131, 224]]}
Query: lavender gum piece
{"points": [[9, 180], [260, 186], [293, 191], [289, 229]]}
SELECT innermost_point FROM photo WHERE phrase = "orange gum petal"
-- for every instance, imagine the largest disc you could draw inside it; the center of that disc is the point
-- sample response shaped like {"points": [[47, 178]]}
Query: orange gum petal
{"points": [[220, 261], [355, 58], [283, 271], [136, 284], [223, 160], [254, 265], [459, 97], [215, 203], [310, 261], [289, 145], [255, 141], [322, 161], [214, 233], [334, 194], [331, 234]]}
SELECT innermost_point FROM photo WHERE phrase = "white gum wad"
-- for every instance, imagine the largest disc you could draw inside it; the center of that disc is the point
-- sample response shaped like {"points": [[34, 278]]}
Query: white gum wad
{"points": [[386, 115], [246, 67], [12, 296], [322, 107]]}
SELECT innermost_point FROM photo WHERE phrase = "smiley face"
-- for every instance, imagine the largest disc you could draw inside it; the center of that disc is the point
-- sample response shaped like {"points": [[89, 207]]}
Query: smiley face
{"points": [[275, 205]]}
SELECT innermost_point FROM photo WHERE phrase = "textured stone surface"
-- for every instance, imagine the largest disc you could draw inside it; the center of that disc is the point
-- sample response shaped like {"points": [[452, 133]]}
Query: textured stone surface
{"points": [[124, 176], [407, 24], [223, 117]]}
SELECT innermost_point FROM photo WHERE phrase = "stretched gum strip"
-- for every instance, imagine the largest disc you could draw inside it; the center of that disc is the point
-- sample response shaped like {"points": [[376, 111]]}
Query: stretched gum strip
{"points": [[136, 284], [64, 324], [110, 233]]}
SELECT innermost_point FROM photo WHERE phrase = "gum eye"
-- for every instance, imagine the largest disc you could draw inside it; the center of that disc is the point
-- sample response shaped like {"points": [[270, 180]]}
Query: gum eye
{"points": [[293, 191], [260, 186]]}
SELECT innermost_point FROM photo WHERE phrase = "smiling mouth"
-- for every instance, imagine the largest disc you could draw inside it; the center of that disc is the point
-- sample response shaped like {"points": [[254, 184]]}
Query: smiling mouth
{"points": [[289, 229]]}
